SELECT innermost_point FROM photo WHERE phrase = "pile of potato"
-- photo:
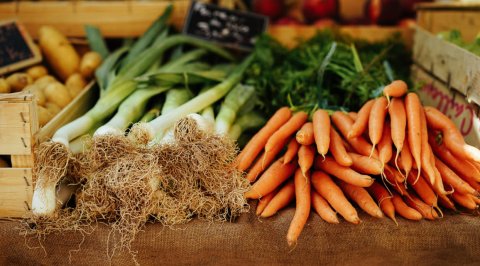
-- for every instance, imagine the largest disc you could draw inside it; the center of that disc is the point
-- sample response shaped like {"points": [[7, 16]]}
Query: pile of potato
{"points": [[53, 94]]}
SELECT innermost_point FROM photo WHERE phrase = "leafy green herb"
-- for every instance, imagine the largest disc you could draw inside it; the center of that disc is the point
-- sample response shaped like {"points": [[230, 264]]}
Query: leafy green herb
{"points": [[329, 71]]}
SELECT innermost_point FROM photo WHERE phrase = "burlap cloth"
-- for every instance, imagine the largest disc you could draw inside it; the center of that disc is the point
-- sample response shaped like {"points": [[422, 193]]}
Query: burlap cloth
{"points": [[454, 240]]}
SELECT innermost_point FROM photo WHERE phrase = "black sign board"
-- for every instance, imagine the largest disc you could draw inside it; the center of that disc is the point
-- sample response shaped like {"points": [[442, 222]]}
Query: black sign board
{"points": [[229, 28], [16, 48]]}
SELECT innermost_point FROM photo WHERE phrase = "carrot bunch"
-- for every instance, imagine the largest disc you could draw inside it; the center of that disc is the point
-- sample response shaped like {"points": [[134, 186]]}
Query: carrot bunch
{"points": [[387, 159]]}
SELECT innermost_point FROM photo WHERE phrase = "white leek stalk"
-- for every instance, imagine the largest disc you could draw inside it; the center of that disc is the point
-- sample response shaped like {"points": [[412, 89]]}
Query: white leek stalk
{"points": [[161, 124], [245, 122], [232, 104]]}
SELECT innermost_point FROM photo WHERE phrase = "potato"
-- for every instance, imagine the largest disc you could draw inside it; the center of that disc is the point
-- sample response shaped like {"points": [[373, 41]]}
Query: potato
{"points": [[58, 52], [37, 72], [89, 63], [75, 84], [44, 81], [58, 94], [18, 81], [43, 115], [38, 92], [53, 108], [4, 86]]}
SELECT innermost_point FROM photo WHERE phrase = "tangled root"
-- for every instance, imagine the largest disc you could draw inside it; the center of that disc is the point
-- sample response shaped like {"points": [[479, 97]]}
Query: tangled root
{"points": [[125, 183], [51, 161]]}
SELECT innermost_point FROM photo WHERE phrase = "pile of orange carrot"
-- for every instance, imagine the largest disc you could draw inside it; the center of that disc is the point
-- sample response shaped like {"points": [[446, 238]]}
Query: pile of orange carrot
{"points": [[395, 156]]}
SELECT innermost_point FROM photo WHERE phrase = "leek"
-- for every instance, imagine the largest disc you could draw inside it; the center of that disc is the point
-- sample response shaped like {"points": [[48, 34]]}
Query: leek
{"points": [[159, 126], [154, 112], [175, 98], [123, 86], [245, 122], [233, 102]]}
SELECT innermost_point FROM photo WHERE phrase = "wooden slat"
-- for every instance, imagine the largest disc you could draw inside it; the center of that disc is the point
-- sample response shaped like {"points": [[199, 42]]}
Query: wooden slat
{"points": [[435, 21], [114, 18], [15, 140], [448, 6], [14, 114], [22, 161], [449, 63], [16, 192], [80, 105], [290, 36]]}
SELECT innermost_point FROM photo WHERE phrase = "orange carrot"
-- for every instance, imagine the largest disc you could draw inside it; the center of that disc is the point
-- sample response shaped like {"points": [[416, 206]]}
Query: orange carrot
{"points": [[304, 136], [258, 141], [384, 199], [365, 165], [385, 145], [284, 132], [397, 88], [458, 165], [283, 197], [425, 153], [361, 122], [446, 202], [452, 137], [302, 208], [404, 210], [343, 123], [263, 202], [353, 115], [325, 186], [323, 209], [406, 160], [362, 198], [475, 199], [338, 150], [263, 162], [398, 123], [428, 212], [391, 176], [348, 175], [292, 150], [414, 127], [422, 188], [321, 130], [376, 120], [306, 154], [271, 179], [452, 179], [464, 200]]}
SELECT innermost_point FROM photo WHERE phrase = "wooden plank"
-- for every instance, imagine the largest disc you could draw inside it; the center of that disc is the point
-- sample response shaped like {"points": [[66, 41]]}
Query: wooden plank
{"points": [[290, 36], [8, 8], [114, 18], [435, 21], [22, 161], [448, 6], [14, 114], [80, 105], [16, 190], [450, 102], [452, 64], [15, 140]]}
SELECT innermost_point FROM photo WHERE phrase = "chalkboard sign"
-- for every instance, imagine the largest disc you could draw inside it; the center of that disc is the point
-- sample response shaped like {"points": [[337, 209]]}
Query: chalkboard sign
{"points": [[16, 47], [229, 28]]}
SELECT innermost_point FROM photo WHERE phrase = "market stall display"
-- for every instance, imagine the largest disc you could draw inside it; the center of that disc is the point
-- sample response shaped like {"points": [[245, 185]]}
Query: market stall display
{"points": [[185, 130]]}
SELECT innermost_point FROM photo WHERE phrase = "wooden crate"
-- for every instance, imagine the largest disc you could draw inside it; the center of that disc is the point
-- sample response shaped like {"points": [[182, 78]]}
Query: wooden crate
{"points": [[436, 93], [455, 66], [19, 133], [114, 18], [437, 17]]}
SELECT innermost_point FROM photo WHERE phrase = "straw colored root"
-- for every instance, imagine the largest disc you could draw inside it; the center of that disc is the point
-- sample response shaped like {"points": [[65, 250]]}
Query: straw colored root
{"points": [[51, 161], [125, 184]]}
